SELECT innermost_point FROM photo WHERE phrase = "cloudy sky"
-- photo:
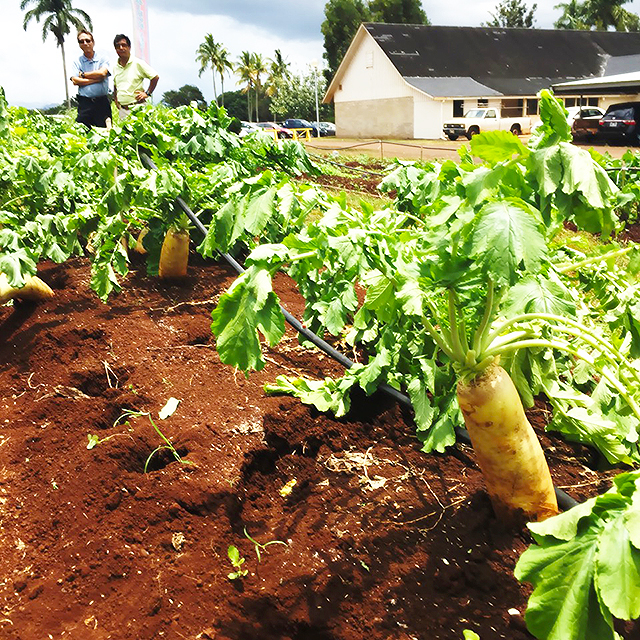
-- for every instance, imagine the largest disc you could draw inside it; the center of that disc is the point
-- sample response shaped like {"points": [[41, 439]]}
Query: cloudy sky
{"points": [[31, 70]]}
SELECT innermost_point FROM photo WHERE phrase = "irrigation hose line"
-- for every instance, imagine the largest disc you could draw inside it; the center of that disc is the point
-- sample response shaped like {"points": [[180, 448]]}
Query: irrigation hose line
{"points": [[564, 500]]}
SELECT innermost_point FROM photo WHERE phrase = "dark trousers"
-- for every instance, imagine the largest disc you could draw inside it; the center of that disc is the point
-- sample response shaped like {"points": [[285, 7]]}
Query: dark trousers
{"points": [[94, 112]]}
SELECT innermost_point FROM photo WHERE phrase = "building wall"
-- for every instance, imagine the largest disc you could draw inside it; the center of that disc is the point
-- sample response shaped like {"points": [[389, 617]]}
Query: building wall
{"points": [[373, 101], [385, 118], [429, 115], [370, 76]]}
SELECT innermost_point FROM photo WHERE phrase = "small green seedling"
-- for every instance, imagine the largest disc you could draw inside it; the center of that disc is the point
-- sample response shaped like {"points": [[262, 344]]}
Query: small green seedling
{"points": [[467, 634], [167, 443], [237, 561], [257, 545], [94, 440]]}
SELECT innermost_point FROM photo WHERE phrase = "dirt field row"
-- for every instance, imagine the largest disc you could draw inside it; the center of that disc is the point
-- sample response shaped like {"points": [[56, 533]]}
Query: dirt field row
{"points": [[415, 149]]}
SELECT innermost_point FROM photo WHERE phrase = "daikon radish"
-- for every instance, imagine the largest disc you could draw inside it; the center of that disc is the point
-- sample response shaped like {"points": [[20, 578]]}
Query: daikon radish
{"points": [[34, 289], [139, 248], [174, 255], [508, 451]]}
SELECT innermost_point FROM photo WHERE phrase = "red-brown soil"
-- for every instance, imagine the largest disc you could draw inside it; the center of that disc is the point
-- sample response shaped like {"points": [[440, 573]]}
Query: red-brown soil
{"points": [[383, 542]]}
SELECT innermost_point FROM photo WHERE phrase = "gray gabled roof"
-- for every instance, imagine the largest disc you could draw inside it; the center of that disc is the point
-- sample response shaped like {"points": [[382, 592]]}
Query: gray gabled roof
{"points": [[485, 61], [456, 87]]}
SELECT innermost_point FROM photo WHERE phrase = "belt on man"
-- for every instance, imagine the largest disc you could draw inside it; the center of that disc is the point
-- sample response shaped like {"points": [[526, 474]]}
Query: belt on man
{"points": [[126, 107], [92, 99]]}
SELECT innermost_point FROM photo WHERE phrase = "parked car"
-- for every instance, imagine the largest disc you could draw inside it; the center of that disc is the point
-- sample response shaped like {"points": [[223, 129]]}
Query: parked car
{"points": [[592, 113], [621, 122], [273, 128], [585, 122], [247, 127], [298, 123], [327, 129], [489, 119]]}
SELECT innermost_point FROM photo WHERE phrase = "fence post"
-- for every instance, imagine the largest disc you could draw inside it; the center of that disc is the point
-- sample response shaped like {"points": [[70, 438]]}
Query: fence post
{"points": [[381, 151]]}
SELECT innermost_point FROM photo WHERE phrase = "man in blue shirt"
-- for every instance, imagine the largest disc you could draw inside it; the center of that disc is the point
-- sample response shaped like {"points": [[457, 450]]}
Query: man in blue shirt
{"points": [[91, 76]]}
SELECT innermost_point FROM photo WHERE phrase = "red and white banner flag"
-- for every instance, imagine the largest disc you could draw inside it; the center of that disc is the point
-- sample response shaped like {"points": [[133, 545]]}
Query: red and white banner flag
{"points": [[141, 29]]}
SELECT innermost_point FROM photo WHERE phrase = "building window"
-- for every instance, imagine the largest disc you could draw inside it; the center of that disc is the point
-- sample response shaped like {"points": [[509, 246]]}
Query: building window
{"points": [[483, 102], [532, 106], [369, 60], [512, 107], [458, 108], [581, 102]]}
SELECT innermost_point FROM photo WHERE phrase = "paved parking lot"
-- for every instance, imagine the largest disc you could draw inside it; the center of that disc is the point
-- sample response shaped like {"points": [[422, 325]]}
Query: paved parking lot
{"points": [[417, 149]]}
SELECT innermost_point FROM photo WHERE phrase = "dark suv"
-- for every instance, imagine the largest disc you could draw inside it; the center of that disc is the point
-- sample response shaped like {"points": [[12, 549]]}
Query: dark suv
{"points": [[621, 122], [297, 123]]}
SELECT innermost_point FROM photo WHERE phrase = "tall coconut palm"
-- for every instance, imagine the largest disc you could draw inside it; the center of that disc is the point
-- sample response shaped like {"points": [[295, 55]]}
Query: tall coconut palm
{"points": [[573, 16], [603, 14], [245, 68], [259, 68], [58, 19], [596, 14], [278, 66], [279, 74], [213, 54]]}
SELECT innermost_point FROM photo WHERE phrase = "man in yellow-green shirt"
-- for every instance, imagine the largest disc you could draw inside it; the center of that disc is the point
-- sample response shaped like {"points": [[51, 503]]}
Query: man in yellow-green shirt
{"points": [[128, 75]]}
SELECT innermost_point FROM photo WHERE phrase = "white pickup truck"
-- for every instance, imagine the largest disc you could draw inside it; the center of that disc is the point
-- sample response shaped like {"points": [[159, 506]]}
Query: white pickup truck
{"points": [[486, 119]]}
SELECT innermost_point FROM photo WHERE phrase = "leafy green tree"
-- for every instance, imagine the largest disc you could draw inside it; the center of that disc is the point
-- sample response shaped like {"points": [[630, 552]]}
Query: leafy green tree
{"points": [[513, 13], [602, 14], [235, 103], [59, 16], [398, 11], [186, 94], [597, 14], [342, 19], [297, 97], [213, 54], [573, 15]]}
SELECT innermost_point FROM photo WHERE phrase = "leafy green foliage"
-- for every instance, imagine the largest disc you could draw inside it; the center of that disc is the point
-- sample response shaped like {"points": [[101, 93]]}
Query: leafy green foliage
{"points": [[513, 14], [65, 191], [186, 94], [342, 19], [255, 307], [585, 566], [461, 270]]}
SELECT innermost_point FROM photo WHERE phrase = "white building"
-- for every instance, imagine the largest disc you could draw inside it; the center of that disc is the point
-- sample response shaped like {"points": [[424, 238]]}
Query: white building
{"points": [[403, 81]]}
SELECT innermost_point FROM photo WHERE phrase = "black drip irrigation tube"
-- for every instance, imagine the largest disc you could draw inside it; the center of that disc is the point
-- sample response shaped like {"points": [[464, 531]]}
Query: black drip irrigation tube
{"points": [[565, 501]]}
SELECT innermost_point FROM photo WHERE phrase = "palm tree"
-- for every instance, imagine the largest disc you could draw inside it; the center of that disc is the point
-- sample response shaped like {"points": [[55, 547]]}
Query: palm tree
{"points": [[245, 69], [573, 16], [278, 74], [278, 67], [259, 67], [596, 14], [603, 14], [213, 54], [59, 16]]}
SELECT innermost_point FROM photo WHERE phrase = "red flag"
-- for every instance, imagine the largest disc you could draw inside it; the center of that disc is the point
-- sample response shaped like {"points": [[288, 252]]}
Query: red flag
{"points": [[141, 29]]}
